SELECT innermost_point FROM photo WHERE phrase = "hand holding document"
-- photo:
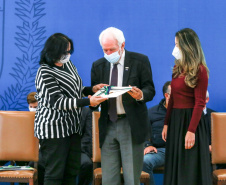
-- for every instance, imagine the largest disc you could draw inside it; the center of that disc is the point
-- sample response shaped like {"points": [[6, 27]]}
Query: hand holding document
{"points": [[112, 91]]}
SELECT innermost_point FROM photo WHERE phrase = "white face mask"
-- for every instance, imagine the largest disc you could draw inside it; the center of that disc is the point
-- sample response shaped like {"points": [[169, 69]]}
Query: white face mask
{"points": [[112, 58], [177, 53], [65, 58], [32, 109]]}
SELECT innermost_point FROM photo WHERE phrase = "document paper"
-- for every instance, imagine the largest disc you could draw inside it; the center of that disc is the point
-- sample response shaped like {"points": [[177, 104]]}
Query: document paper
{"points": [[112, 91]]}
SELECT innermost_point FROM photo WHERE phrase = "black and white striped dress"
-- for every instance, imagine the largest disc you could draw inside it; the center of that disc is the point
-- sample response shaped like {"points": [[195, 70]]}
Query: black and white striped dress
{"points": [[59, 95]]}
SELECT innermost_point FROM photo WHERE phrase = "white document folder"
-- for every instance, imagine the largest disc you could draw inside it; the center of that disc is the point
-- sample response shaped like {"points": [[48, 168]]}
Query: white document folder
{"points": [[113, 92]]}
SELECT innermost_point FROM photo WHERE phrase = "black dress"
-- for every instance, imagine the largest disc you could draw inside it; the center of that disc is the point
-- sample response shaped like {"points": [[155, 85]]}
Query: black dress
{"points": [[191, 166]]}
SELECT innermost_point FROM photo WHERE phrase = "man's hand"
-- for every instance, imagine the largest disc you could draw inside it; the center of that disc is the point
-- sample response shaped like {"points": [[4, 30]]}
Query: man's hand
{"points": [[98, 87], [189, 140], [150, 149], [136, 93]]}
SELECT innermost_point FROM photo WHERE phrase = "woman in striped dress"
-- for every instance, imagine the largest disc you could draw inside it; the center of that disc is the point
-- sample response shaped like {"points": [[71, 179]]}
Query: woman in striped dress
{"points": [[58, 116]]}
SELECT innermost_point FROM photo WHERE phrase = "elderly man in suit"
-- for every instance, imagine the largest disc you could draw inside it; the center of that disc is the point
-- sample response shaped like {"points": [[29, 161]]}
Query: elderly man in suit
{"points": [[123, 125]]}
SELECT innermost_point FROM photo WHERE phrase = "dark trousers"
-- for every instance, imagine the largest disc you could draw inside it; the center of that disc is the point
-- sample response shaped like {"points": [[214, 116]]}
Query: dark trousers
{"points": [[61, 159], [86, 170]]}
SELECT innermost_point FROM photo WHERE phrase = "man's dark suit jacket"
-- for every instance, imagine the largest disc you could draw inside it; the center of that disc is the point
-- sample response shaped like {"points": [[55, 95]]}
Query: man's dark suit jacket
{"points": [[137, 72]]}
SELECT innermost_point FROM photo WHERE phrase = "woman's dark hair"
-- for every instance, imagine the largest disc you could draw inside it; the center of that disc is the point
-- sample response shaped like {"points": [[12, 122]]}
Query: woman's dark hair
{"points": [[55, 47]]}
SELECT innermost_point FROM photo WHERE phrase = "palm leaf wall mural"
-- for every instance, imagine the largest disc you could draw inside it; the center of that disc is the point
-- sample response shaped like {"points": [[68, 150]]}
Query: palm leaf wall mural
{"points": [[29, 39]]}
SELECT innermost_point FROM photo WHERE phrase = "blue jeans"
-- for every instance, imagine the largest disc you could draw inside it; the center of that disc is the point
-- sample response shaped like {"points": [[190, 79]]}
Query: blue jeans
{"points": [[152, 161]]}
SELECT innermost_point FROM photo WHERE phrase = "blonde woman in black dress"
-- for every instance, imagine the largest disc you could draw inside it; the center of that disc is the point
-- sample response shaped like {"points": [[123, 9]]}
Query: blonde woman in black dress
{"points": [[185, 130]]}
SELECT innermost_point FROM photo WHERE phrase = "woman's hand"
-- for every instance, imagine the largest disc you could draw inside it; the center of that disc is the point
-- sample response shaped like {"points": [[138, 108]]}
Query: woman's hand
{"points": [[164, 132], [96, 100], [189, 140], [98, 87], [150, 149]]}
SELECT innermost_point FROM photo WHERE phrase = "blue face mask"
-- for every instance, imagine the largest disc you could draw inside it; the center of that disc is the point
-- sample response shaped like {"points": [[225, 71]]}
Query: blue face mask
{"points": [[112, 58]]}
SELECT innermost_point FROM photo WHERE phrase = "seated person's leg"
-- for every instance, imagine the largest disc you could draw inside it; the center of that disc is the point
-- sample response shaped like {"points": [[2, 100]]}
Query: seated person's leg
{"points": [[152, 161]]}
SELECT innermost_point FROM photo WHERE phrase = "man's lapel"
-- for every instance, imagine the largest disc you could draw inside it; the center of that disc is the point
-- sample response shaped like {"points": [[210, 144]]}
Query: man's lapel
{"points": [[127, 68]]}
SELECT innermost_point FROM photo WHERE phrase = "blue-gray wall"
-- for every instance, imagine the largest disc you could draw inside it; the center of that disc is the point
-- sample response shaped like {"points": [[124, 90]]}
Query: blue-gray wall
{"points": [[149, 27]]}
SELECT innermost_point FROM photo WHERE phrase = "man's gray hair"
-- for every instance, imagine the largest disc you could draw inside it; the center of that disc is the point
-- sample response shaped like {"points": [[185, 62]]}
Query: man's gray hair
{"points": [[115, 33], [207, 94]]}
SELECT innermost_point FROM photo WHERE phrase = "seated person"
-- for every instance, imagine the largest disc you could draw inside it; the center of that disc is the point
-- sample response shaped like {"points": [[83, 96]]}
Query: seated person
{"points": [[154, 152], [32, 102]]}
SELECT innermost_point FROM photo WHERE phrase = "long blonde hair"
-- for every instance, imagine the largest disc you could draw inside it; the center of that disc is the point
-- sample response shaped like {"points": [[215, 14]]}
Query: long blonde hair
{"points": [[192, 57]]}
